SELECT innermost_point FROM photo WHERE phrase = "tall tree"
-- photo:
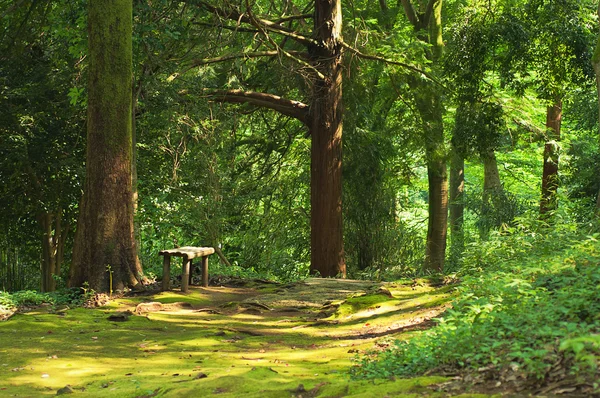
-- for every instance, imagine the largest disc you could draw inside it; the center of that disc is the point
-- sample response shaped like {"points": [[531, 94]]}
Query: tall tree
{"points": [[41, 146], [596, 65], [559, 54], [104, 253], [322, 116], [427, 23], [327, 249]]}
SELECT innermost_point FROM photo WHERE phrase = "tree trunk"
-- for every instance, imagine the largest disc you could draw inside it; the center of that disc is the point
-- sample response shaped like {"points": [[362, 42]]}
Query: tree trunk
{"points": [[104, 241], [549, 200], [596, 65], [54, 234], [327, 249], [435, 251], [45, 221], [430, 108], [429, 104], [492, 192], [457, 205]]}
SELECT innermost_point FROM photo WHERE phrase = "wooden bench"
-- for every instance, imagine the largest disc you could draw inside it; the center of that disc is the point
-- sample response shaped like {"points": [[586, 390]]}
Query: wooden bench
{"points": [[188, 253]]}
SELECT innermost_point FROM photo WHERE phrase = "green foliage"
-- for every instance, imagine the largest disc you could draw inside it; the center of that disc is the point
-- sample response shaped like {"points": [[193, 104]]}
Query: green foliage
{"points": [[27, 298], [528, 297]]}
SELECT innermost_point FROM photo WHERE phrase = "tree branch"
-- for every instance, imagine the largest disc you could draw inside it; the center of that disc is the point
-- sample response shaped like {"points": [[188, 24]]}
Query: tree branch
{"points": [[427, 14], [235, 15], [411, 13], [293, 17], [224, 58], [392, 62], [295, 109], [256, 22]]}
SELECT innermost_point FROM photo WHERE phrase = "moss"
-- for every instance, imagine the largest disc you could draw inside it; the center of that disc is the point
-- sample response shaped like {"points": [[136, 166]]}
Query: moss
{"points": [[252, 355]]}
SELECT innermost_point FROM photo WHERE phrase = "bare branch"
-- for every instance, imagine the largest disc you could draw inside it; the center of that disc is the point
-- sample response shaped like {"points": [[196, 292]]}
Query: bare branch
{"points": [[392, 62], [295, 109]]}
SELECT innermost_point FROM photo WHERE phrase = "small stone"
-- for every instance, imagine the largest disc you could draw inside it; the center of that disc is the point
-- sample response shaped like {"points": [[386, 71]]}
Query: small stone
{"points": [[65, 390], [201, 376]]}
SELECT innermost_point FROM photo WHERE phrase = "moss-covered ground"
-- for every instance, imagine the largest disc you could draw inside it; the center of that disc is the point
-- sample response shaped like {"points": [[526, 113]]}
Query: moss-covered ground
{"points": [[255, 340]]}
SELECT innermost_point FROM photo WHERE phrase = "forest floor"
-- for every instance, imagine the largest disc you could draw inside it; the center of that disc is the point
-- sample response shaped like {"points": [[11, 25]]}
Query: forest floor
{"points": [[232, 339]]}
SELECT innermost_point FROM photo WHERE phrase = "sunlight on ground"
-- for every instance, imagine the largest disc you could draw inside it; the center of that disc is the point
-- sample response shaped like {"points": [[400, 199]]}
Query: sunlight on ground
{"points": [[223, 341]]}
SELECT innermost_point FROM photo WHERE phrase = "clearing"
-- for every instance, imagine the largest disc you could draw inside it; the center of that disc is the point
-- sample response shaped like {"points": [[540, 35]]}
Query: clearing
{"points": [[235, 339]]}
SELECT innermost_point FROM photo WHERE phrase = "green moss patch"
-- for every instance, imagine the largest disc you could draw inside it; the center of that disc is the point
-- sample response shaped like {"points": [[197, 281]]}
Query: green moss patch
{"points": [[261, 345]]}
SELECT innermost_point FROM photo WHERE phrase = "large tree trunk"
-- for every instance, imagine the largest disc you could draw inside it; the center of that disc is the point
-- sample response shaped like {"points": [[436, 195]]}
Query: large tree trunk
{"points": [[104, 241], [327, 249], [457, 205], [549, 200]]}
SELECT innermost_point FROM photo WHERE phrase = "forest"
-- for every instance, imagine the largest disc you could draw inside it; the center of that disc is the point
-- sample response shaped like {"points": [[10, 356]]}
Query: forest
{"points": [[403, 197]]}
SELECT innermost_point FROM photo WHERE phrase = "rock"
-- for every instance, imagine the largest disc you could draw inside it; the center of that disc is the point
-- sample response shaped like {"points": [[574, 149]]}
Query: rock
{"points": [[120, 316], [148, 307], [65, 390], [201, 376]]}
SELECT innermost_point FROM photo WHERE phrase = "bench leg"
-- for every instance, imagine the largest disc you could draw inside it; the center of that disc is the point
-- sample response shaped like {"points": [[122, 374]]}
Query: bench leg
{"points": [[185, 274], [166, 279], [205, 271]]}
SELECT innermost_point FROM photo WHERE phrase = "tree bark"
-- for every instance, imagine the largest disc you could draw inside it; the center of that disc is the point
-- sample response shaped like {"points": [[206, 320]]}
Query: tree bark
{"points": [[104, 240], [54, 234], [428, 101], [457, 205], [327, 249], [45, 221], [493, 192], [596, 65], [549, 200]]}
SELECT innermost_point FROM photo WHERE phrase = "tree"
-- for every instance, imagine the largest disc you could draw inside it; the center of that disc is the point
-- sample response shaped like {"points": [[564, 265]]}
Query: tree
{"points": [[428, 100], [559, 54], [596, 65], [104, 253], [41, 146], [322, 117]]}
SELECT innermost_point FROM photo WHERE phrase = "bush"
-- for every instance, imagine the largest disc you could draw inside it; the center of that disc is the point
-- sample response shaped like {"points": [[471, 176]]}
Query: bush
{"points": [[528, 297]]}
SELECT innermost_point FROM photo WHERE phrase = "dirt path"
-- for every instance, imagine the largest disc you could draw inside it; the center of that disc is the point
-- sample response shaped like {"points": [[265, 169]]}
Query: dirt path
{"points": [[233, 339]]}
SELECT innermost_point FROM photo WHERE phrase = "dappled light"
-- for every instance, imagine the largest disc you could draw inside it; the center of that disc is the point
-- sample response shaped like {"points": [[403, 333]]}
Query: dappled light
{"points": [[300, 198], [207, 332]]}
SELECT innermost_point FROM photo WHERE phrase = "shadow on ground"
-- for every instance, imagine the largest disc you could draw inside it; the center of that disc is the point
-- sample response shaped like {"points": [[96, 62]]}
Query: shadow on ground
{"points": [[250, 339]]}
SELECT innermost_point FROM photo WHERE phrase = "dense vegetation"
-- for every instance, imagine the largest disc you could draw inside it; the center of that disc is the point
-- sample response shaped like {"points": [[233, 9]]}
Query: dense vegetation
{"points": [[476, 119]]}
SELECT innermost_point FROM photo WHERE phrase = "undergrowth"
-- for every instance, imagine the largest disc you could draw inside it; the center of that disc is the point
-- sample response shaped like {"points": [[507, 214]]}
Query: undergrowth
{"points": [[530, 298], [27, 298]]}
